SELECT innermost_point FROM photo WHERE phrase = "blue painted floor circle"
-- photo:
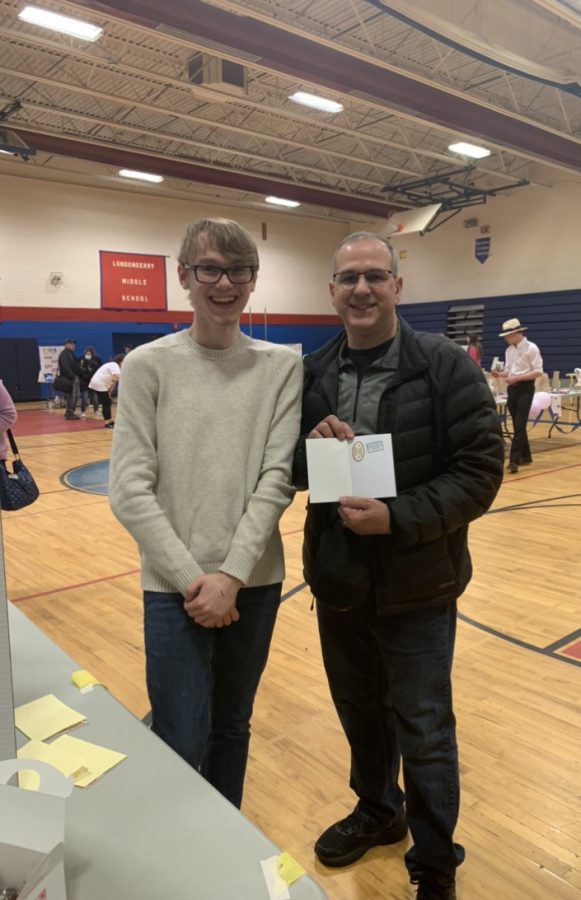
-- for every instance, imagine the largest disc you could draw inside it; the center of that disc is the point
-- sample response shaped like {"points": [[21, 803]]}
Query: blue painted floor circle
{"points": [[93, 478]]}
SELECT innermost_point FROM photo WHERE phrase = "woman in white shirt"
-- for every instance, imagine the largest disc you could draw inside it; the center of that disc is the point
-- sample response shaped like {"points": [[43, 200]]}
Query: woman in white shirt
{"points": [[103, 382]]}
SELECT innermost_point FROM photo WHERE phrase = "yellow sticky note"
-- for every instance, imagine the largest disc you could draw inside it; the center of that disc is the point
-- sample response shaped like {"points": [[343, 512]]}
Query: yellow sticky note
{"points": [[84, 680], [289, 869], [97, 760], [45, 717], [48, 753]]}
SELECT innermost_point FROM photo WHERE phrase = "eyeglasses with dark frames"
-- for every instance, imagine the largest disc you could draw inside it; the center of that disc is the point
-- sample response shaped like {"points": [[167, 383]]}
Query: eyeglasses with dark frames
{"points": [[373, 277], [206, 274]]}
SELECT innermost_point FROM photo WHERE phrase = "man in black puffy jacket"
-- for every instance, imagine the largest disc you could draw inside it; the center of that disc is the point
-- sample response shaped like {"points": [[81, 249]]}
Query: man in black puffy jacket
{"points": [[70, 369], [386, 574]]}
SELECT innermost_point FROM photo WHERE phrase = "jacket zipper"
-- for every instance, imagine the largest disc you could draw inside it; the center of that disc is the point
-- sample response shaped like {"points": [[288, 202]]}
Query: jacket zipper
{"points": [[359, 380]]}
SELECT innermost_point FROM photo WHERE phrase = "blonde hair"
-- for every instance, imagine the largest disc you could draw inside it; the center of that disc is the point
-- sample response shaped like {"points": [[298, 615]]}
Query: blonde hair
{"points": [[230, 238]]}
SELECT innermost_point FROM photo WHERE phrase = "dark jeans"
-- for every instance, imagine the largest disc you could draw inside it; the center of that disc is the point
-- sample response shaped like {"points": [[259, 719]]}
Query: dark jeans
{"points": [[105, 401], [519, 399], [202, 681], [89, 398], [71, 404], [390, 682], [72, 398]]}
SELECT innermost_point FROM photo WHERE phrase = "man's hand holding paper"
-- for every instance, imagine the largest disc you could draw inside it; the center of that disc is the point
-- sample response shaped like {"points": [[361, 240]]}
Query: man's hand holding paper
{"points": [[365, 515], [351, 471], [332, 427]]}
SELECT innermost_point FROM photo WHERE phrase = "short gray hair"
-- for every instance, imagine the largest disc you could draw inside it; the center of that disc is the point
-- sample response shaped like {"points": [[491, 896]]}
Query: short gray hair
{"points": [[369, 236], [230, 238]]}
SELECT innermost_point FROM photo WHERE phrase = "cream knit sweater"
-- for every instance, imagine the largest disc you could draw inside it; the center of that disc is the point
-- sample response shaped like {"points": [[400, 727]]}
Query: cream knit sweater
{"points": [[201, 458]]}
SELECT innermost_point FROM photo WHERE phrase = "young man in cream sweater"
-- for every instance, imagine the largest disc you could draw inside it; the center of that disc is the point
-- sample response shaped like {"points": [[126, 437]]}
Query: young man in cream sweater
{"points": [[200, 474]]}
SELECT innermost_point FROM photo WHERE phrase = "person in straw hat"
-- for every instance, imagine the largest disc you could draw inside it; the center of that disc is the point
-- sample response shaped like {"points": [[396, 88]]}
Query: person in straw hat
{"points": [[523, 364]]}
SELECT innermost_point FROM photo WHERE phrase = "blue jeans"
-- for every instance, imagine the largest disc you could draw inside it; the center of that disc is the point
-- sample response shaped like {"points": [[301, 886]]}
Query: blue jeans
{"points": [[89, 398], [202, 681], [390, 679]]}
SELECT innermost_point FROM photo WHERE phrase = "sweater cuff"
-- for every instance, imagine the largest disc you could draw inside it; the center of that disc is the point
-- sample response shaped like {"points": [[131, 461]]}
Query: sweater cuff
{"points": [[185, 576], [239, 565]]}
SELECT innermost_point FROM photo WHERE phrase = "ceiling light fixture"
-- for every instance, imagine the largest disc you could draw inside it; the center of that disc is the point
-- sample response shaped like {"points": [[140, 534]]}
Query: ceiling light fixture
{"points": [[65, 24], [469, 150], [140, 176], [316, 102], [280, 201]]}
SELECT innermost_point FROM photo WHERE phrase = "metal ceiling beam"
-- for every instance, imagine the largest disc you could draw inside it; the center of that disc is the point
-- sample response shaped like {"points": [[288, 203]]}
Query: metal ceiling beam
{"points": [[133, 103], [87, 56], [235, 179], [168, 138], [338, 69]]}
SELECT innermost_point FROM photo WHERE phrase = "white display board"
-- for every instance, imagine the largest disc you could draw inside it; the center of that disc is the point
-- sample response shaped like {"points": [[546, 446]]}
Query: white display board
{"points": [[49, 363]]}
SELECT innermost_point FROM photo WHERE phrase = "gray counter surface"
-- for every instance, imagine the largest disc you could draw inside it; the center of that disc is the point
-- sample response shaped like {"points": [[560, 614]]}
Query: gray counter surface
{"points": [[151, 828]]}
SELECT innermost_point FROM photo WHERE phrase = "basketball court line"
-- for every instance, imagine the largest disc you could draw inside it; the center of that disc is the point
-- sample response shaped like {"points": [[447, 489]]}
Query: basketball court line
{"points": [[544, 472], [534, 504], [49, 512], [82, 584], [549, 650], [72, 587]]}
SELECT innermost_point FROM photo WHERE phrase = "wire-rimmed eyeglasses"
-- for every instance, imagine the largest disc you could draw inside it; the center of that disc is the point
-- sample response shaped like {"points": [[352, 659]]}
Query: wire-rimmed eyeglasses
{"points": [[212, 274], [350, 278]]}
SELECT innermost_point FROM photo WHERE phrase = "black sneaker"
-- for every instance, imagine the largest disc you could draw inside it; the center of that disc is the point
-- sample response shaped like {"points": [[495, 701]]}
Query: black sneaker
{"points": [[73, 416], [434, 886], [512, 468], [347, 840]]}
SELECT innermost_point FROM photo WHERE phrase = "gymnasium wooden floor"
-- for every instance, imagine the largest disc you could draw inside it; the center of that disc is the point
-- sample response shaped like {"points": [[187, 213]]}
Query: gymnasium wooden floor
{"points": [[72, 570]]}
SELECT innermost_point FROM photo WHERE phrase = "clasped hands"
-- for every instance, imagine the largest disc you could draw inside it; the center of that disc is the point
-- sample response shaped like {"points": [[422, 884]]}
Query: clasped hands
{"points": [[504, 376], [211, 600], [362, 515]]}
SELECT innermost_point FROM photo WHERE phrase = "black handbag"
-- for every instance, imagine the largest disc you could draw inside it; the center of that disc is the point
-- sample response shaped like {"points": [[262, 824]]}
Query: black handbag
{"points": [[61, 383], [17, 487]]}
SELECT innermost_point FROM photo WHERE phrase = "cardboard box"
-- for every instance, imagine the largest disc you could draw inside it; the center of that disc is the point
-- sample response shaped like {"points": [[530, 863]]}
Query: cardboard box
{"points": [[32, 828]]}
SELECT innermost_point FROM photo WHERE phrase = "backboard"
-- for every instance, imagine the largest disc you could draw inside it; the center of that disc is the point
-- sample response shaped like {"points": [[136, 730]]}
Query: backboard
{"points": [[410, 221]]}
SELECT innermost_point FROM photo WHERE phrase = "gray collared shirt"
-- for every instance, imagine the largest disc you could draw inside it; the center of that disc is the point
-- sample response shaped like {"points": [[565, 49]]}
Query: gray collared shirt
{"points": [[359, 396]]}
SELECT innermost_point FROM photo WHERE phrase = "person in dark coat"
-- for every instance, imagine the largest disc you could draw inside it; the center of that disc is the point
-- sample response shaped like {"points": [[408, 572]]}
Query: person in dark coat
{"points": [[386, 573], [89, 364], [70, 369]]}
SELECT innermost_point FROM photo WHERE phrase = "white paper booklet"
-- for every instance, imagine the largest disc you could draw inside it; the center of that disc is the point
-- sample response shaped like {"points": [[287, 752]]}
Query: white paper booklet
{"points": [[362, 467]]}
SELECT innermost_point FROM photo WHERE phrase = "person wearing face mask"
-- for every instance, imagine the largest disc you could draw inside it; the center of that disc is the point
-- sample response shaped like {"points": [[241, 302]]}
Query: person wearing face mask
{"points": [[89, 363]]}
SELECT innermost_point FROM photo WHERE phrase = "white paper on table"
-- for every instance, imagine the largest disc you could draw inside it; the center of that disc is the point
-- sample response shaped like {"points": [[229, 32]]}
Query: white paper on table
{"points": [[362, 467], [275, 884]]}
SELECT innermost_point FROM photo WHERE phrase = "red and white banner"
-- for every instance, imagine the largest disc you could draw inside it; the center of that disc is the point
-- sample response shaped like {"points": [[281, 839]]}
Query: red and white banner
{"points": [[132, 281]]}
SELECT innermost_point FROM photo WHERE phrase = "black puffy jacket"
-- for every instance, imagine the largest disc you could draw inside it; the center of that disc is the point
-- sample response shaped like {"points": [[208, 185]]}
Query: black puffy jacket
{"points": [[448, 455], [68, 364]]}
